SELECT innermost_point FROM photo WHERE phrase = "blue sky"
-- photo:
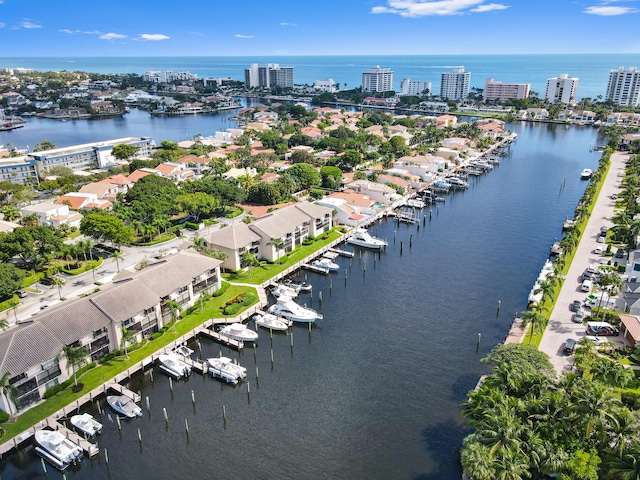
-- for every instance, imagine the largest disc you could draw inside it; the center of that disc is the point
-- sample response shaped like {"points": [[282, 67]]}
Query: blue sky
{"points": [[304, 27]]}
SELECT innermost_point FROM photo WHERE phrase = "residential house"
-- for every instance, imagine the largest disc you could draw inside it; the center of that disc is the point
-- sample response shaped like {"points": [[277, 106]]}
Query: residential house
{"points": [[444, 121], [79, 200], [382, 194], [52, 214], [630, 328], [234, 240], [343, 214]]}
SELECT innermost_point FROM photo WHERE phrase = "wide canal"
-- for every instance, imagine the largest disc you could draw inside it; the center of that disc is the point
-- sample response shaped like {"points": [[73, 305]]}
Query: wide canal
{"points": [[374, 391]]}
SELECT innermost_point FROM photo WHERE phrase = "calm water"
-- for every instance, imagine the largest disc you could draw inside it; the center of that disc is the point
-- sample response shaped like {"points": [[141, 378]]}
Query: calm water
{"points": [[592, 69], [374, 391]]}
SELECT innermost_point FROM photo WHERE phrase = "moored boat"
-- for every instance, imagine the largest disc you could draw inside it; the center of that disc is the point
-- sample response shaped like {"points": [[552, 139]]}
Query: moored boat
{"points": [[363, 238], [240, 332], [281, 289], [270, 321], [124, 406], [586, 174], [225, 369], [183, 350], [299, 285], [57, 449], [86, 424], [287, 308], [171, 364], [326, 264]]}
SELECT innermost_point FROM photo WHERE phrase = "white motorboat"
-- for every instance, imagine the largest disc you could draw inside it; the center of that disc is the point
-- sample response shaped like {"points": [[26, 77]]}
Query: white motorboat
{"points": [[86, 424], [586, 174], [287, 308], [458, 182], [226, 369], [183, 350], [362, 238], [270, 321], [415, 203], [299, 285], [240, 332], [281, 289], [171, 364], [326, 264], [57, 449], [124, 406]]}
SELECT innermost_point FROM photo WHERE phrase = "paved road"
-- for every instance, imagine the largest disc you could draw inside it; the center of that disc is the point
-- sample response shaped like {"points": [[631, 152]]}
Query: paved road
{"points": [[560, 325]]}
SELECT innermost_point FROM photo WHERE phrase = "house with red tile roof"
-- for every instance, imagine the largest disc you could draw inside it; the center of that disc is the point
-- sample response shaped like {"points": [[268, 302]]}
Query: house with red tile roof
{"points": [[394, 180], [444, 121], [83, 201], [630, 328], [138, 174]]}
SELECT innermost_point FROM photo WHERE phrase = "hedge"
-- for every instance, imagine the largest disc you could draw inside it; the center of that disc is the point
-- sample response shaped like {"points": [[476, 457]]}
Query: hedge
{"points": [[58, 388], [4, 416], [222, 290]]}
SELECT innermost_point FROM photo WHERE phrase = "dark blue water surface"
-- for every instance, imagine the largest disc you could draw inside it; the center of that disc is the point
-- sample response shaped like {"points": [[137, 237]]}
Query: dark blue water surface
{"points": [[374, 391]]}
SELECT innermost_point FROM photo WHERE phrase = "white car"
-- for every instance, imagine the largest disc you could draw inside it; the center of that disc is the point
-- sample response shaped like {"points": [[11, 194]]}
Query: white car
{"points": [[598, 250], [601, 239], [596, 340]]}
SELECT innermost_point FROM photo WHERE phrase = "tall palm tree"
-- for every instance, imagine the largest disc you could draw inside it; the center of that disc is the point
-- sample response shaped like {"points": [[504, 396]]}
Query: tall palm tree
{"points": [[250, 260], [117, 256], [535, 319], [57, 281], [76, 358], [277, 243], [127, 335], [175, 311], [8, 391]]}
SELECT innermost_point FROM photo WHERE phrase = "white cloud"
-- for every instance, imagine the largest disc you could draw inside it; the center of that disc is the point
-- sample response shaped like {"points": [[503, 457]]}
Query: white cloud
{"points": [[243, 36], [28, 24], [608, 11], [93, 32], [286, 24], [423, 8], [1, 24], [153, 37], [69, 32], [490, 7], [112, 36]]}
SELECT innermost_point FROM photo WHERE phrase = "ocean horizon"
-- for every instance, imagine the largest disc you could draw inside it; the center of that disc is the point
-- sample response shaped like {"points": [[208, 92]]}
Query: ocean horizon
{"points": [[591, 69]]}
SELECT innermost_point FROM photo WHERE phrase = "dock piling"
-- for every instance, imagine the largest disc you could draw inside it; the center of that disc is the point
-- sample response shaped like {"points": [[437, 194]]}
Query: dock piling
{"points": [[186, 426], [166, 416], [118, 422], [224, 415], [139, 437], [193, 397], [148, 405], [106, 456], [44, 467], [478, 344]]}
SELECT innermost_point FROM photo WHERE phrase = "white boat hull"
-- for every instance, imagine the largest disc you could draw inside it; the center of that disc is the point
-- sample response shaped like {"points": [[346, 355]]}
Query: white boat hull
{"points": [[86, 424], [271, 322], [58, 450]]}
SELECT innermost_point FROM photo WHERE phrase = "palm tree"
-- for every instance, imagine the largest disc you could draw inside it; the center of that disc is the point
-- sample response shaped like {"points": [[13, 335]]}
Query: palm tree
{"points": [[4, 324], [8, 391], [117, 256], [535, 318], [250, 260], [57, 281], [76, 357], [625, 468], [547, 287], [277, 243], [175, 311], [127, 335]]}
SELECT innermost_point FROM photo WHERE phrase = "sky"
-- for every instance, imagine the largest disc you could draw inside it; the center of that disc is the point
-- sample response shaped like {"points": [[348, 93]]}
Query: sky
{"points": [[61, 28]]}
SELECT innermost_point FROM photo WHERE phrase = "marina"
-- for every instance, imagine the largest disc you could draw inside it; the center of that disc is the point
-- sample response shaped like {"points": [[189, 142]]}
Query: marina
{"points": [[353, 332]]}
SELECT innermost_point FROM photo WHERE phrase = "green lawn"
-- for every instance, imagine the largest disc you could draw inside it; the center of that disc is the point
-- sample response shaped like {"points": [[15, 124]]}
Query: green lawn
{"points": [[258, 275], [97, 376]]}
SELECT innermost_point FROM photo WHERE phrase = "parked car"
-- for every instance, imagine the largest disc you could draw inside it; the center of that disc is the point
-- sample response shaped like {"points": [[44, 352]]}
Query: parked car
{"points": [[620, 253], [601, 239], [594, 339], [578, 317], [21, 293], [602, 328], [575, 306], [614, 196], [569, 346], [598, 250]]}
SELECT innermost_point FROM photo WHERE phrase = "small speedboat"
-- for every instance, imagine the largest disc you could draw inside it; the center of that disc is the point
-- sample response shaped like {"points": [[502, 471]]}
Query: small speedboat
{"points": [[171, 364], [270, 321], [299, 285], [124, 406], [57, 449], [326, 264], [586, 174], [240, 332], [362, 238], [226, 369], [86, 424], [281, 289], [183, 350]]}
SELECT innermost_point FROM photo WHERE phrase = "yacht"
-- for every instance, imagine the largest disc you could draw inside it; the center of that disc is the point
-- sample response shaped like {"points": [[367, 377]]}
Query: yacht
{"points": [[124, 406], [287, 308], [362, 238], [270, 321], [326, 264], [415, 203], [458, 182], [171, 364], [226, 369], [281, 289], [299, 285], [86, 424], [57, 449], [183, 350], [586, 174], [240, 332]]}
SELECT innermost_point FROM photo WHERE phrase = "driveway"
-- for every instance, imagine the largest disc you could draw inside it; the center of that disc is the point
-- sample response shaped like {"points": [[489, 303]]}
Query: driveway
{"points": [[560, 326]]}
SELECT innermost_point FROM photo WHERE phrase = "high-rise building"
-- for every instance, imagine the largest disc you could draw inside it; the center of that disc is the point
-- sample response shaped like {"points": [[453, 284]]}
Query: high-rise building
{"points": [[504, 91], [454, 85], [377, 79], [268, 76], [561, 89], [414, 87], [624, 87]]}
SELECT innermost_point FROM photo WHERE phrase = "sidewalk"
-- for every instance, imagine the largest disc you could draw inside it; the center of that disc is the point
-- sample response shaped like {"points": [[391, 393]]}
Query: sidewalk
{"points": [[560, 326]]}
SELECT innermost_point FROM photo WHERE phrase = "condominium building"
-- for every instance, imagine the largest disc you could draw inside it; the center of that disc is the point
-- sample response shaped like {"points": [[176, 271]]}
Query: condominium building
{"points": [[455, 84], [268, 76], [624, 87], [89, 155], [167, 76], [498, 91], [414, 87], [377, 79], [561, 89]]}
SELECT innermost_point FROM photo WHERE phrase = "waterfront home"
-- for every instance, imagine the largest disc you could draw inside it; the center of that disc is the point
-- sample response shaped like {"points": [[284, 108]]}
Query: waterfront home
{"points": [[400, 183], [492, 129], [382, 194], [344, 213], [139, 301], [235, 241], [627, 139], [176, 172], [623, 118], [422, 166], [444, 121], [52, 214]]}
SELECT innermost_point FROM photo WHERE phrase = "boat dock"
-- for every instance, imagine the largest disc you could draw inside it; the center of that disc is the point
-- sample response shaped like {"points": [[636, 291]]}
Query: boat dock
{"points": [[342, 253], [226, 341], [313, 268]]}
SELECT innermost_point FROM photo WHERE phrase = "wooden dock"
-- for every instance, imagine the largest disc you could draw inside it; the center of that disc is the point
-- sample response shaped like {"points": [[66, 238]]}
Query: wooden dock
{"points": [[227, 341], [122, 390], [313, 268], [342, 253]]}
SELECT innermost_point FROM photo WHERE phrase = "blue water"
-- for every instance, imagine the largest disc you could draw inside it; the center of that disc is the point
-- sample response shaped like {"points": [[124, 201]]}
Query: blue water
{"points": [[374, 391], [591, 69]]}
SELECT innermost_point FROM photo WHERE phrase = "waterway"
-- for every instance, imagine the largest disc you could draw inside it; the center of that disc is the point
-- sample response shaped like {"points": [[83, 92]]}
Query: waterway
{"points": [[374, 391]]}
